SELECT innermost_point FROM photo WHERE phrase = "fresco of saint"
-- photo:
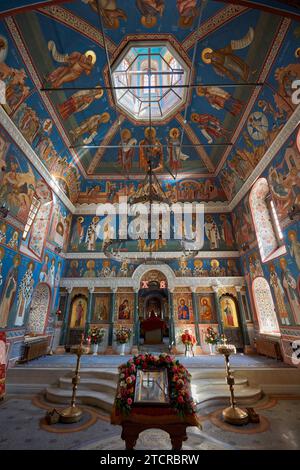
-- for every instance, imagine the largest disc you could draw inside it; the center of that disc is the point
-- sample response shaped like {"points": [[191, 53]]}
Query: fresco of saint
{"points": [[279, 295], [24, 294], [290, 286], [79, 101], [188, 11], [226, 63], [109, 12], [89, 126], [226, 231], [150, 10], [76, 64], [294, 247], [220, 99], [9, 291], [77, 234], [175, 155], [210, 126], [125, 151], [212, 232], [154, 154]]}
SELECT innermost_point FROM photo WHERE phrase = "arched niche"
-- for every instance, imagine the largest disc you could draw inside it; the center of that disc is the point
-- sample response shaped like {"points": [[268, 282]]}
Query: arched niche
{"points": [[141, 271], [265, 308], [39, 309]]}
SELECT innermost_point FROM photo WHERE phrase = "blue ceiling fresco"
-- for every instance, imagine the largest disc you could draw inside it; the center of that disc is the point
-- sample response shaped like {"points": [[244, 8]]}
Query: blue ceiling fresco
{"points": [[242, 62]]}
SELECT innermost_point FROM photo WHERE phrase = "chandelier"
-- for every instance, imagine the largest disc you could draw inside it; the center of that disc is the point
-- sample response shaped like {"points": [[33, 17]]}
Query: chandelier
{"points": [[149, 193]]}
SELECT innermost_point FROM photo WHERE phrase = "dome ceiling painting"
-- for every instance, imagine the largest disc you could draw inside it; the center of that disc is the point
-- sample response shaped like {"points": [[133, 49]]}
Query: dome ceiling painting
{"points": [[205, 85]]}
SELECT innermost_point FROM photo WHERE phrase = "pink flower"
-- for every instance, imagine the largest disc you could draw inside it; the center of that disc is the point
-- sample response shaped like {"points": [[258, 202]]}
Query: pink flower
{"points": [[129, 401], [133, 378], [129, 380], [180, 399]]}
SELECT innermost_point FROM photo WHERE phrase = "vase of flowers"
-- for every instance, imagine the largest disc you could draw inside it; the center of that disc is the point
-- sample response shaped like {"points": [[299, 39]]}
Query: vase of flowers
{"points": [[188, 340], [123, 335], [95, 336], [211, 338]]}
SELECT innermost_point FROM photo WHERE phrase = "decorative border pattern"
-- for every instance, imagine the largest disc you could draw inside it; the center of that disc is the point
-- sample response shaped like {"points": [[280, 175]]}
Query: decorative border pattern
{"points": [[72, 21], [166, 255], [212, 207], [222, 17]]}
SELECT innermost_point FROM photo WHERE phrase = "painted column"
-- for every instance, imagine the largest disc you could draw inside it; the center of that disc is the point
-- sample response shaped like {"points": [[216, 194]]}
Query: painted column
{"points": [[136, 320], [219, 315], [66, 318], [90, 311], [242, 317], [111, 317], [196, 314], [171, 320]]}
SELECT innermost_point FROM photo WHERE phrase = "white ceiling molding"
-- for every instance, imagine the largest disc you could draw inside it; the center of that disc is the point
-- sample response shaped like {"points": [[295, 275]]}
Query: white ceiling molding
{"points": [[189, 282], [26, 148], [212, 207], [167, 255]]}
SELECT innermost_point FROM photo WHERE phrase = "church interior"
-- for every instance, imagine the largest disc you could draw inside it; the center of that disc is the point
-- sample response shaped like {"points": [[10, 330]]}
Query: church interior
{"points": [[149, 224]]}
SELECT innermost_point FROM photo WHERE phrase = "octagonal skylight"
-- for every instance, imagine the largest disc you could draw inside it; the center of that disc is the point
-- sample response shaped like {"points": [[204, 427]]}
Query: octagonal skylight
{"points": [[148, 79]]}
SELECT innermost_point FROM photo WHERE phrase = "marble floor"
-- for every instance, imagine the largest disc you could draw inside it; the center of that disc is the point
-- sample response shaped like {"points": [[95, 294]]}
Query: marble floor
{"points": [[23, 427]]}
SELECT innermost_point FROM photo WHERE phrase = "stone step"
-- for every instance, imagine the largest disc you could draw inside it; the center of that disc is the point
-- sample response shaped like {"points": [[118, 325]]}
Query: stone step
{"points": [[90, 383], [246, 395], [84, 396]]}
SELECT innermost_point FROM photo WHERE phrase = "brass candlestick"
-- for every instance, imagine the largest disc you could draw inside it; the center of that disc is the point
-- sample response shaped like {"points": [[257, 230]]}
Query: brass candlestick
{"points": [[73, 413], [232, 414]]}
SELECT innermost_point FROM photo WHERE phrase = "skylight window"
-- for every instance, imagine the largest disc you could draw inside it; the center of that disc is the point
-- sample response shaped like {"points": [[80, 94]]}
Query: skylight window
{"points": [[149, 81]]}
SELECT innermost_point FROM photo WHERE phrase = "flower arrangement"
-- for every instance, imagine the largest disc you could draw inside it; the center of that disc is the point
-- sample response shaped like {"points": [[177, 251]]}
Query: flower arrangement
{"points": [[179, 379], [123, 335], [95, 335], [187, 338], [211, 336]]}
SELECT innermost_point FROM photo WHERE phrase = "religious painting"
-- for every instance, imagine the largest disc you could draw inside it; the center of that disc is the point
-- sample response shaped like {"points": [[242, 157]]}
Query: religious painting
{"points": [[17, 187], [124, 306], [40, 225], [228, 312], [101, 308], [78, 312], [183, 306], [9, 291], [206, 308], [2, 363]]}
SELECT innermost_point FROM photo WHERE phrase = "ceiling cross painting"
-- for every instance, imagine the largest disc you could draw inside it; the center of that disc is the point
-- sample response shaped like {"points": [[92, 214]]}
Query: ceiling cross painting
{"points": [[202, 88]]}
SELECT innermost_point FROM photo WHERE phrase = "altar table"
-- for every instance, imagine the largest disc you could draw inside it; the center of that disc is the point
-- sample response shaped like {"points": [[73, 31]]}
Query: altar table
{"points": [[149, 417]]}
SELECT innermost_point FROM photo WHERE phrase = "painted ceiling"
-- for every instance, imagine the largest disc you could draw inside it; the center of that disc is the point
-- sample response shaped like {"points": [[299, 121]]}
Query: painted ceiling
{"points": [[56, 59]]}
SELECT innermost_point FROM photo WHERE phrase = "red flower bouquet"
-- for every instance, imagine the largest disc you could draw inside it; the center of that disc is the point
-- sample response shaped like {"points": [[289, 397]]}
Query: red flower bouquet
{"points": [[187, 338]]}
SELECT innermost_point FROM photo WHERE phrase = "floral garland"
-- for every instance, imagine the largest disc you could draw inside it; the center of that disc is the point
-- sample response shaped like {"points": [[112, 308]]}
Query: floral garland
{"points": [[179, 379]]}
